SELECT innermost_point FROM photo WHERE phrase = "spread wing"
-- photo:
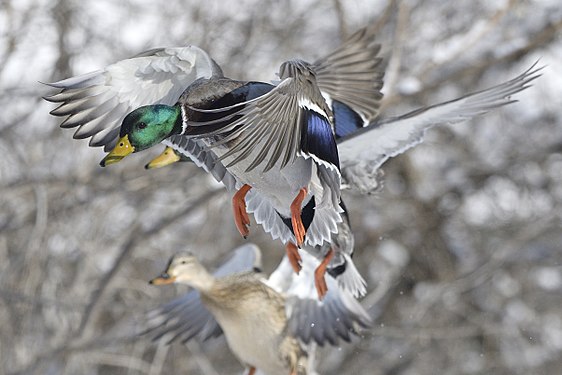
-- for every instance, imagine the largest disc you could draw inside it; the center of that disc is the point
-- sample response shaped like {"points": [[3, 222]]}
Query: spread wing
{"points": [[185, 317], [203, 158], [97, 102], [278, 126], [351, 78], [364, 151], [338, 316]]}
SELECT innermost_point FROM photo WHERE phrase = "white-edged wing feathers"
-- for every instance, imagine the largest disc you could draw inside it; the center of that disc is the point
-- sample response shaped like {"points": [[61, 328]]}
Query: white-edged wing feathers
{"points": [[97, 102], [363, 152]]}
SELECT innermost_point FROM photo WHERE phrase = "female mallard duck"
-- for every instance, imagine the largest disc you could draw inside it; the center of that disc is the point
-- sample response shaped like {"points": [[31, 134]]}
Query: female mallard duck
{"points": [[265, 322]]}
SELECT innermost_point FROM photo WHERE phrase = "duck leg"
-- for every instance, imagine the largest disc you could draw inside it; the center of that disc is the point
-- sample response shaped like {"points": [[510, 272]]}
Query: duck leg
{"points": [[294, 256], [319, 280], [251, 370], [296, 221], [241, 218]]}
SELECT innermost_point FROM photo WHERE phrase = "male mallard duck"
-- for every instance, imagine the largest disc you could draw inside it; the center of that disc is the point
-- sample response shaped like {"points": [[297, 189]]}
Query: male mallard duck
{"points": [[265, 322], [363, 143], [231, 127]]}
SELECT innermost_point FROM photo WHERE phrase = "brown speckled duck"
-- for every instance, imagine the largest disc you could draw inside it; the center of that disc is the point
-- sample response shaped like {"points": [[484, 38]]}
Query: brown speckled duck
{"points": [[267, 322]]}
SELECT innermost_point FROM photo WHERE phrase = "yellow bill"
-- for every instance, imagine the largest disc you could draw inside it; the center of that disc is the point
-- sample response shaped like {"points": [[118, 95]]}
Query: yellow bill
{"points": [[121, 149], [169, 156]]}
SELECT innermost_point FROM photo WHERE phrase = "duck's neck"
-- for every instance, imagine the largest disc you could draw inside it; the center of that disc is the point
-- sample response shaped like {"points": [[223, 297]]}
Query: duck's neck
{"points": [[204, 281], [178, 124]]}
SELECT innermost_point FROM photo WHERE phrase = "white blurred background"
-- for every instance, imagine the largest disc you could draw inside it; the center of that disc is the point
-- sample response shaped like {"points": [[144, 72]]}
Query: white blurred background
{"points": [[461, 248]]}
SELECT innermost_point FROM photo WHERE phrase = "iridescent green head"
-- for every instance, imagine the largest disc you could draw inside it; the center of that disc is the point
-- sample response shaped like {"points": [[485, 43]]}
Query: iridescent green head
{"points": [[143, 128]]}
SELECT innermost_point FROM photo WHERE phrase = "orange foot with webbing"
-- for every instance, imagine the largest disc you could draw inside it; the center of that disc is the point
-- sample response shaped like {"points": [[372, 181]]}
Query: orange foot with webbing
{"points": [[319, 275], [294, 257], [296, 221], [241, 218]]}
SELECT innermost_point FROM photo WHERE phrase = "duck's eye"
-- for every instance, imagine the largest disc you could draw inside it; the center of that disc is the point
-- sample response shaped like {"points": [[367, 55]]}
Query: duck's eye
{"points": [[142, 125], [183, 262]]}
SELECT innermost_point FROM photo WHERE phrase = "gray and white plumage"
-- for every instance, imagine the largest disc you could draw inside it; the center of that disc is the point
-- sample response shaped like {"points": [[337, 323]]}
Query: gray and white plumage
{"points": [[97, 102], [161, 75], [338, 316], [353, 75], [365, 150], [341, 267], [272, 130], [287, 132]]}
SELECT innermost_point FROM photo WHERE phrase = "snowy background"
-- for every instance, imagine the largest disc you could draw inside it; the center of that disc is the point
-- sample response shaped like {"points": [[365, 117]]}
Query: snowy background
{"points": [[461, 248]]}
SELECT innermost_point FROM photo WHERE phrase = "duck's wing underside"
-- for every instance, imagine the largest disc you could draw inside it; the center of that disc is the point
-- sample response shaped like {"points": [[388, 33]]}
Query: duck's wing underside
{"points": [[263, 210], [337, 317], [185, 317], [96, 103], [364, 151]]}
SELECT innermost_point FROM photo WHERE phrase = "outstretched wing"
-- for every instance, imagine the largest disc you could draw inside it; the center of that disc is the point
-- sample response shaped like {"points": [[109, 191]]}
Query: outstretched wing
{"points": [[351, 78], [97, 102], [364, 151], [337, 316], [186, 317], [288, 121]]}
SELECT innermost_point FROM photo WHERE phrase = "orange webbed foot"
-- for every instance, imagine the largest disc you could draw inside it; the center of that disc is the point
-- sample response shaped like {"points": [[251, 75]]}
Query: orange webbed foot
{"points": [[294, 257], [241, 218], [296, 221], [319, 275]]}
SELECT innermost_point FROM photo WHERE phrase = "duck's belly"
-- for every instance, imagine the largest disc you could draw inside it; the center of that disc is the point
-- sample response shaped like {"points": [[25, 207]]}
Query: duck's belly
{"points": [[279, 185]]}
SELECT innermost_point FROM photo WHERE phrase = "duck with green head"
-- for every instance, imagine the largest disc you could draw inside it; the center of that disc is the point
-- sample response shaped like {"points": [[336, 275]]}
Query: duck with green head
{"points": [[143, 128], [273, 145], [350, 78]]}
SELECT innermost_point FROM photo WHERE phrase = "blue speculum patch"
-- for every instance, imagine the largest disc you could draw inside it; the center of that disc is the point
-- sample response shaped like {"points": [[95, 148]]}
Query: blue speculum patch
{"points": [[318, 138], [346, 120]]}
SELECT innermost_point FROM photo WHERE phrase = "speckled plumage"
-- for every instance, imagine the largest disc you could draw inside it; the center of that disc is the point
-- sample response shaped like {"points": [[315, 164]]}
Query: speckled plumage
{"points": [[263, 320]]}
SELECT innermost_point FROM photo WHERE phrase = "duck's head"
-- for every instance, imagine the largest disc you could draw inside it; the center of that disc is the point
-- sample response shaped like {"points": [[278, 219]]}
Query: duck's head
{"points": [[182, 268], [143, 128]]}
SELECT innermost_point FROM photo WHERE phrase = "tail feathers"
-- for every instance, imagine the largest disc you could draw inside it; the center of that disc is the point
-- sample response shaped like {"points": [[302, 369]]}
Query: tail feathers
{"points": [[350, 279]]}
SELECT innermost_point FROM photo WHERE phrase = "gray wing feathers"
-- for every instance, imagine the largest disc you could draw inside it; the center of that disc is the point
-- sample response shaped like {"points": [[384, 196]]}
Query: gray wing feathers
{"points": [[266, 216], [203, 158], [353, 74], [97, 102], [245, 258], [183, 319], [363, 152], [269, 127], [336, 317]]}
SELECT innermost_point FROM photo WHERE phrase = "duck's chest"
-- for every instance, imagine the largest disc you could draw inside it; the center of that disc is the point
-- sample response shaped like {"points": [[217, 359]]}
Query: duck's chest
{"points": [[280, 185], [255, 340]]}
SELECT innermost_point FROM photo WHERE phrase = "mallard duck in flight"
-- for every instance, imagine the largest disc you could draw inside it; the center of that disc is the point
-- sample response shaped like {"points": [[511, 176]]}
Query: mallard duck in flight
{"points": [[350, 79], [266, 322], [231, 128]]}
